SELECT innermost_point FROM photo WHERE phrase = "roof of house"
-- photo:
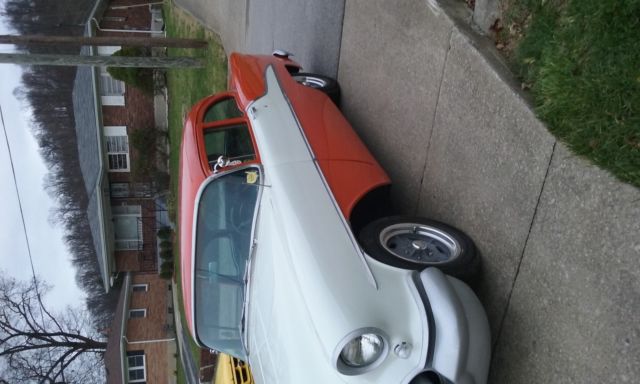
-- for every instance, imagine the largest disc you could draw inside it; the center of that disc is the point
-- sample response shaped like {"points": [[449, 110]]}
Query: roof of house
{"points": [[84, 108], [86, 111], [114, 354], [88, 135], [89, 154]]}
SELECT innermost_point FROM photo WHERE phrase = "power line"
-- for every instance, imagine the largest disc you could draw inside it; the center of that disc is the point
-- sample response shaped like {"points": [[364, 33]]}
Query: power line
{"points": [[15, 183], [24, 225]]}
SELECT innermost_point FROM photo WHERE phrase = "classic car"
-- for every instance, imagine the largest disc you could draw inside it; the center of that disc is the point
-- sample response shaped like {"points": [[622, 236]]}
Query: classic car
{"points": [[291, 257]]}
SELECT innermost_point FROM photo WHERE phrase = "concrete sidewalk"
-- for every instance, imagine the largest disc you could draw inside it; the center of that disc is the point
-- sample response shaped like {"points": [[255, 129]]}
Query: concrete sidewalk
{"points": [[560, 238]]}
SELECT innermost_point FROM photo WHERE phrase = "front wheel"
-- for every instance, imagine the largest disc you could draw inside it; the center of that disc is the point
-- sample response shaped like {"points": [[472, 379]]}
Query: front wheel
{"points": [[417, 243], [322, 83]]}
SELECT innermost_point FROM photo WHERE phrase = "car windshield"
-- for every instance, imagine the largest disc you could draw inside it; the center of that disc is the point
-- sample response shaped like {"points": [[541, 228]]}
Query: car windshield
{"points": [[222, 248]]}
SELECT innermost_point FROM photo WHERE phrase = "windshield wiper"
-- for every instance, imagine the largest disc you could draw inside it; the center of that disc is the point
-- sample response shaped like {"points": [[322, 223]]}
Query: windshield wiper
{"points": [[245, 298]]}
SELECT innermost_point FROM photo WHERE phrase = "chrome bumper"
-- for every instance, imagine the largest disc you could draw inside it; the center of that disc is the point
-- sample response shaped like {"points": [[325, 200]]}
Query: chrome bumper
{"points": [[460, 338]]}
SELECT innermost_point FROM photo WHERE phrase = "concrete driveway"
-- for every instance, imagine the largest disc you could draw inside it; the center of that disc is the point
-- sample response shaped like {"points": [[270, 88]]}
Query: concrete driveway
{"points": [[560, 238]]}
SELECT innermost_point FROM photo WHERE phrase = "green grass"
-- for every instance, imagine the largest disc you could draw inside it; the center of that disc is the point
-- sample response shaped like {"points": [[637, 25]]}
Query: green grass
{"points": [[180, 375], [185, 87], [581, 59]]}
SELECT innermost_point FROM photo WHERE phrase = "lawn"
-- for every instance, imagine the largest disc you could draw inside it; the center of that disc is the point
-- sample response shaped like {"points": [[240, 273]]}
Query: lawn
{"points": [[581, 60], [185, 87], [180, 375]]}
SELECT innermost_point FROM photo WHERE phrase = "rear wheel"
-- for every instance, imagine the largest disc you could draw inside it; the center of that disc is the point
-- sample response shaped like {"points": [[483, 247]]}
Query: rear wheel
{"points": [[417, 243], [322, 83]]}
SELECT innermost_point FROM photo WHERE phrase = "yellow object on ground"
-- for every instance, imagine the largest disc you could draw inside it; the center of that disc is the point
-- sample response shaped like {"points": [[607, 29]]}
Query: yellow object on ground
{"points": [[232, 371]]}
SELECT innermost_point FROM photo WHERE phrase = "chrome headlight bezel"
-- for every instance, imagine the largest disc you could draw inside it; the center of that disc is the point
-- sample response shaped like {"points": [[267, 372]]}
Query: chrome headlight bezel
{"points": [[349, 370]]}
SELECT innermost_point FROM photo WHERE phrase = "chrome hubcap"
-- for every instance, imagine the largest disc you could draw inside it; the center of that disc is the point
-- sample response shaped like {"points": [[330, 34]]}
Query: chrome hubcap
{"points": [[419, 243]]}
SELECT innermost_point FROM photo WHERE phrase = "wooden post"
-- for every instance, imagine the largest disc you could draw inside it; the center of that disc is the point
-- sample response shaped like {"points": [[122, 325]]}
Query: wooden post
{"points": [[107, 61], [128, 41]]}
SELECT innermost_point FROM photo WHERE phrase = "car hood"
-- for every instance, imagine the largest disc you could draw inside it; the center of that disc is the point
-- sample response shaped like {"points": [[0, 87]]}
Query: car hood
{"points": [[307, 280]]}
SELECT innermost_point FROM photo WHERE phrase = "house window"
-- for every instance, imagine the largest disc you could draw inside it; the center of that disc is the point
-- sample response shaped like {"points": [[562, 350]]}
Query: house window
{"points": [[136, 371], [119, 190], [110, 86], [137, 313], [127, 227], [122, 190], [117, 144], [114, 18], [108, 50], [111, 90], [141, 189], [140, 287]]}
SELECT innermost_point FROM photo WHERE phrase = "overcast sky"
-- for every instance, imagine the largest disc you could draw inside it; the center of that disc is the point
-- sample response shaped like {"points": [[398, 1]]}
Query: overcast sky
{"points": [[50, 256]]}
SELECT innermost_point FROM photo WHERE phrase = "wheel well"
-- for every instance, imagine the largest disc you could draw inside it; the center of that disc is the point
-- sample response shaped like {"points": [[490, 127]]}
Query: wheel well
{"points": [[373, 205], [291, 68]]}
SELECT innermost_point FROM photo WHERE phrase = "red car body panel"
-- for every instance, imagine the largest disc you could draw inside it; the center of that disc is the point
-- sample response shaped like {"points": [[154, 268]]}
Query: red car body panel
{"points": [[247, 77], [191, 176], [346, 164]]}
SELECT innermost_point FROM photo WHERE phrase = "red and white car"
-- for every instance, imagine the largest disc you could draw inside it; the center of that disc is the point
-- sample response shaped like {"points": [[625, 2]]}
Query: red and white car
{"points": [[289, 260]]}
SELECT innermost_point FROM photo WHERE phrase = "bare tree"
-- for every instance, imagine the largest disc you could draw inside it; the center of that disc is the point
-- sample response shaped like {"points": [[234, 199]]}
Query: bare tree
{"points": [[38, 345]]}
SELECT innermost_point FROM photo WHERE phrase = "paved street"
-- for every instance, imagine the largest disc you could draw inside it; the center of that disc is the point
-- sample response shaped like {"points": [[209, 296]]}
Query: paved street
{"points": [[561, 277]]}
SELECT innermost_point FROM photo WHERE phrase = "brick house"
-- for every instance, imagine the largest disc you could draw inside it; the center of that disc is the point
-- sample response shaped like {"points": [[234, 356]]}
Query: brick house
{"points": [[124, 213], [140, 349]]}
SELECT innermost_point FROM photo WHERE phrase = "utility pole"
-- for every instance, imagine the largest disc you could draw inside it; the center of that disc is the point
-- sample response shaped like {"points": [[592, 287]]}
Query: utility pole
{"points": [[108, 61], [128, 41]]}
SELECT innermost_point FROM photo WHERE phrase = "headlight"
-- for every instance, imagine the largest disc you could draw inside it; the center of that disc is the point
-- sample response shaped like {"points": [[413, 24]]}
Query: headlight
{"points": [[361, 351]]}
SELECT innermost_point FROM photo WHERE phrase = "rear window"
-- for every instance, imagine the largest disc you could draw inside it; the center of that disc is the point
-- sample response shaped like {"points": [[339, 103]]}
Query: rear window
{"points": [[222, 110]]}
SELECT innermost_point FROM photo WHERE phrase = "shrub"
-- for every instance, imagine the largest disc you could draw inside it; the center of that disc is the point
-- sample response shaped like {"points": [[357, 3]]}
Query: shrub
{"points": [[163, 180], [167, 275], [164, 233], [166, 254], [140, 78], [166, 269], [143, 140], [166, 244]]}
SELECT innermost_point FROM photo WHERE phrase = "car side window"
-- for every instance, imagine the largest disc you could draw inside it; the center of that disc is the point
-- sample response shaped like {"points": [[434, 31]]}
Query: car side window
{"points": [[222, 110], [232, 142]]}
